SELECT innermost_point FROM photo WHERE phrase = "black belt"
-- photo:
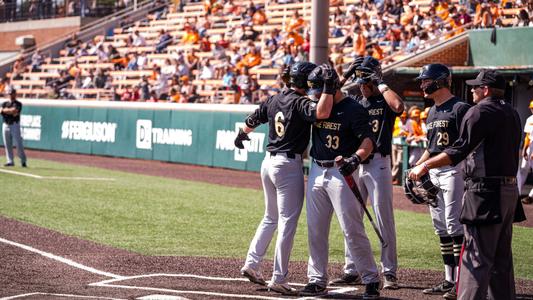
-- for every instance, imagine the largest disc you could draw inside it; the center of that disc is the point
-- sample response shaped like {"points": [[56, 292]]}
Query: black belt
{"points": [[11, 123], [288, 154], [504, 180], [325, 163]]}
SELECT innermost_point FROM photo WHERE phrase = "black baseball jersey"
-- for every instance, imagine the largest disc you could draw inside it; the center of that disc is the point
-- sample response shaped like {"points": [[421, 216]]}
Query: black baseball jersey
{"points": [[489, 140], [10, 119], [381, 118], [343, 132], [289, 116], [443, 124]]}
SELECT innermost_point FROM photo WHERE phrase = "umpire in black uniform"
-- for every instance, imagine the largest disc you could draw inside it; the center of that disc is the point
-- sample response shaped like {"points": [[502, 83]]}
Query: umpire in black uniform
{"points": [[489, 140]]}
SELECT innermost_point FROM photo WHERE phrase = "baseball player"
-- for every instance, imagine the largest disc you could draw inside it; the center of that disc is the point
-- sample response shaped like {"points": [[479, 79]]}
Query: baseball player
{"points": [[443, 124], [526, 163], [347, 133], [289, 115], [375, 176], [11, 128]]}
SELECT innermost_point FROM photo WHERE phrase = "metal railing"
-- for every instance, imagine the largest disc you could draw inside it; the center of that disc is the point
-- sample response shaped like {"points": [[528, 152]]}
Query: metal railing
{"points": [[12, 11]]}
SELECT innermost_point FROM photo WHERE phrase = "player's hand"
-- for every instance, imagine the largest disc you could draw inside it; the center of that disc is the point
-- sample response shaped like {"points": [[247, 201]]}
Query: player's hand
{"points": [[352, 68], [350, 165], [329, 76], [242, 136], [417, 172], [377, 78]]}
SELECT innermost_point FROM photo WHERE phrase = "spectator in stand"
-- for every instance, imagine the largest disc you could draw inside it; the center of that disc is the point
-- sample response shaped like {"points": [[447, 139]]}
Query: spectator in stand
{"points": [[88, 82], [259, 17], [138, 39], [207, 71], [142, 61], [186, 86], [205, 44], [164, 40], [415, 136], [3, 85], [145, 88], [296, 23], [135, 94], [19, 67], [264, 93], [463, 17], [192, 96], [522, 19], [168, 68], [273, 41], [400, 131], [203, 26], [126, 95], [72, 45], [191, 35], [37, 60], [174, 96], [228, 77], [101, 79], [132, 62], [359, 41], [243, 79], [251, 59], [161, 84]]}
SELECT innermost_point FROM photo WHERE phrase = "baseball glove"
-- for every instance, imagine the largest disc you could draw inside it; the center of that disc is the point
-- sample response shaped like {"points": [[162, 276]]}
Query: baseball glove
{"points": [[421, 192]]}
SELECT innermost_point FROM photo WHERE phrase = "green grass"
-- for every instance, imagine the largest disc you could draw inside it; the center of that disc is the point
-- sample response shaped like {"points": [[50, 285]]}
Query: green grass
{"points": [[160, 216]]}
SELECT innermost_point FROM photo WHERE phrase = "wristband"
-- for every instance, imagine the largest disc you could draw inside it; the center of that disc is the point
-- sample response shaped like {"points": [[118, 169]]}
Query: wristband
{"points": [[383, 87], [425, 166]]}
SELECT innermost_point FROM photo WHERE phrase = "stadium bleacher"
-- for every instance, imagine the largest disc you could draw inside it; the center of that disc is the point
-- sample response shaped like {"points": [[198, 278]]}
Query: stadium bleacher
{"points": [[196, 44]]}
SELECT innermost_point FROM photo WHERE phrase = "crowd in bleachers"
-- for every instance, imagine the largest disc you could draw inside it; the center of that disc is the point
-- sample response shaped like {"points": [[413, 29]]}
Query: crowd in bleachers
{"points": [[231, 51]]}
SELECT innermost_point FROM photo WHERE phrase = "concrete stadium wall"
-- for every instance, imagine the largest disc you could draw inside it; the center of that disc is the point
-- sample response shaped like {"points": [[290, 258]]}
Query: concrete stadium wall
{"points": [[44, 31], [185, 133], [511, 47]]}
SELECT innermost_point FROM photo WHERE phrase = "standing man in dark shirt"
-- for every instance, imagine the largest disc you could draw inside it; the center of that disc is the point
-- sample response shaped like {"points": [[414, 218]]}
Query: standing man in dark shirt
{"points": [[443, 123], [345, 133], [489, 140], [11, 128], [289, 115], [375, 177]]}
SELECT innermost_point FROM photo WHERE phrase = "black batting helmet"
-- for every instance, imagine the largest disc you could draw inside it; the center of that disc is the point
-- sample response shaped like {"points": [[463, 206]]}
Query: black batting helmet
{"points": [[421, 192], [369, 67], [315, 80], [439, 73], [299, 73]]}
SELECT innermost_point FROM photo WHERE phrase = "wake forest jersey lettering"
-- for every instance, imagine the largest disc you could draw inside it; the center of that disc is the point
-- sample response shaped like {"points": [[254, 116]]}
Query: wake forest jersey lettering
{"points": [[382, 119], [289, 116], [443, 124], [342, 133]]}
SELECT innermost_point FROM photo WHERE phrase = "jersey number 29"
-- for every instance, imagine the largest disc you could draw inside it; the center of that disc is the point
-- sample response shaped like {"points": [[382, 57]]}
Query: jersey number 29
{"points": [[443, 139], [278, 124]]}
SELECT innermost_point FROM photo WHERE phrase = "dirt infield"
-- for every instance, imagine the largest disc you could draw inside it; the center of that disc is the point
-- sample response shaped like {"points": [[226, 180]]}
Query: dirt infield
{"points": [[37, 263]]}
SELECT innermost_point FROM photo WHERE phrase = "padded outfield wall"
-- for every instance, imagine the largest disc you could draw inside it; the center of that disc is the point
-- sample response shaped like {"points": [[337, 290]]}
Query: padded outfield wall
{"points": [[184, 133]]}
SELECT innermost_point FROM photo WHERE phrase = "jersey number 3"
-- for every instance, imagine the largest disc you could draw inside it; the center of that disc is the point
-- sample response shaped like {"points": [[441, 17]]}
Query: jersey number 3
{"points": [[333, 142], [443, 139], [278, 124]]}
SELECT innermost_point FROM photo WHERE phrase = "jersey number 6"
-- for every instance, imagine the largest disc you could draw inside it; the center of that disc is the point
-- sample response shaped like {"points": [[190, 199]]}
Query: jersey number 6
{"points": [[278, 124]]}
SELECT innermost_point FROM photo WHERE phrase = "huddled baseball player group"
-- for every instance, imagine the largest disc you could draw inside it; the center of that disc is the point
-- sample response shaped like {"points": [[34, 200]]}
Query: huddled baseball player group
{"points": [[351, 142]]}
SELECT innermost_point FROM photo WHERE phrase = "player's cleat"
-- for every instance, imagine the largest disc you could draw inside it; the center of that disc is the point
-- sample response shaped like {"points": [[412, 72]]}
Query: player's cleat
{"points": [[24, 165], [9, 165], [347, 279], [253, 275], [371, 291], [282, 288], [450, 295], [440, 288], [313, 289], [390, 283]]}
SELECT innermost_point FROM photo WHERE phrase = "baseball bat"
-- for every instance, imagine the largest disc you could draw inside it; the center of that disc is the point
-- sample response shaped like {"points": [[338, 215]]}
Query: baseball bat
{"points": [[339, 161]]}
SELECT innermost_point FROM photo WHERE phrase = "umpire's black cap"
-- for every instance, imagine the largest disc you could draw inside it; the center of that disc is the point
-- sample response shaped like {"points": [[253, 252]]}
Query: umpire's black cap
{"points": [[490, 78]]}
